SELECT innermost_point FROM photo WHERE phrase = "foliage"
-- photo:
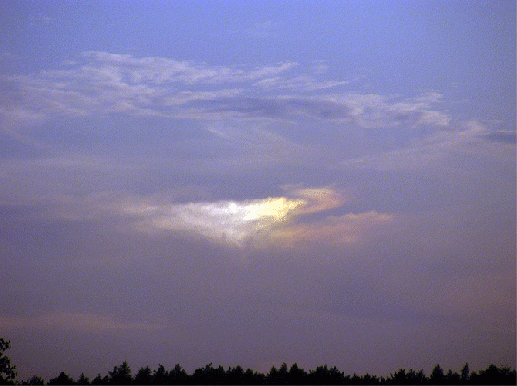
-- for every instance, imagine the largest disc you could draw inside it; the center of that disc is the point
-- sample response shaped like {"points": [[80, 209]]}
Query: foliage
{"points": [[83, 380], [121, 375], [322, 375], [7, 370], [62, 379], [34, 380]]}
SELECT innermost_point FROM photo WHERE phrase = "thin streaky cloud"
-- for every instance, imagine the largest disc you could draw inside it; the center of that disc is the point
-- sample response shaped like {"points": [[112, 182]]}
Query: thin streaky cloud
{"points": [[433, 150]]}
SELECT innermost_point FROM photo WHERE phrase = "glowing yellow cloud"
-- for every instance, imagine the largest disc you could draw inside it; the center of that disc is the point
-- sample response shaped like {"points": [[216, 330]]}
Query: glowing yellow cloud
{"points": [[279, 220], [229, 220], [274, 208], [319, 199]]}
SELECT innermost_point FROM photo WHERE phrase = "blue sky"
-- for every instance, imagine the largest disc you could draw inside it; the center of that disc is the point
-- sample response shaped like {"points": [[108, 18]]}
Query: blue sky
{"points": [[257, 182]]}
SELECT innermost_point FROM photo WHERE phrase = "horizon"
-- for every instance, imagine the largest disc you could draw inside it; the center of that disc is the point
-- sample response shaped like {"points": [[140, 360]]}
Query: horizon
{"points": [[293, 374], [253, 183]]}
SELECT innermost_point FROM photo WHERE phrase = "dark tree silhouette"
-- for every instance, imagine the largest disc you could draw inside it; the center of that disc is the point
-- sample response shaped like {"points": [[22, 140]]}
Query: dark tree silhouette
{"points": [[437, 377], [62, 379], [143, 376], [34, 380], [160, 375], [281, 377], [325, 376], [235, 376], [209, 375], [177, 376], [219, 375], [297, 376], [252, 377], [272, 376], [401, 377], [121, 375], [494, 376], [99, 380], [83, 380], [418, 377], [368, 379], [7, 370], [452, 378], [465, 373]]}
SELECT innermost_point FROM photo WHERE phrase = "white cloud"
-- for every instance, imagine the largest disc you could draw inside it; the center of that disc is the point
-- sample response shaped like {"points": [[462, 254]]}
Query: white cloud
{"points": [[256, 139]]}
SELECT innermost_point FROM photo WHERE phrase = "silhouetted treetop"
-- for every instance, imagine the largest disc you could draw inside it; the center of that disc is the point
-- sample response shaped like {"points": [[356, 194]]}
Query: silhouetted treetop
{"points": [[7, 370]]}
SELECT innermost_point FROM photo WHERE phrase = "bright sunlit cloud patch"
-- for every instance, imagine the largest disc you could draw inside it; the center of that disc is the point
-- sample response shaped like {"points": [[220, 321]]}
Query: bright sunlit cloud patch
{"points": [[277, 219], [233, 221]]}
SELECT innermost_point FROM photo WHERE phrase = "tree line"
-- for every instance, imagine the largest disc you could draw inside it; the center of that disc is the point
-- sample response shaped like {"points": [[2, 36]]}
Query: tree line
{"points": [[284, 375]]}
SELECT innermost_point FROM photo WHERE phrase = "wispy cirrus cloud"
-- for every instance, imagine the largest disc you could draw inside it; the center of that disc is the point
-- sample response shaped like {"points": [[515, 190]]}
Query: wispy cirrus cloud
{"points": [[378, 111], [104, 83], [100, 84], [471, 138]]}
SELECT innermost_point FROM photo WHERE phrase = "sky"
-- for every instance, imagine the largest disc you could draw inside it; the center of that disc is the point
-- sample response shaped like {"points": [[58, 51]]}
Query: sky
{"points": [[252, 183]]}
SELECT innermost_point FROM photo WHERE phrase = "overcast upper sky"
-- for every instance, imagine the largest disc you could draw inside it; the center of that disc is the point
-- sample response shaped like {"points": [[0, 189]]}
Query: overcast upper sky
{"points": [[258, 182]]}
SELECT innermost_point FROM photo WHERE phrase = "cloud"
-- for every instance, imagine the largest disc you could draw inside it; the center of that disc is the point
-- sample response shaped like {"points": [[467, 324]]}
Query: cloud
{"points": [[283, 220], [232, 221], [501, 136], [160, 71], [104, 83], [378, 111], [304, 83], [318, 199], [470, 139], [368, 111], [345, 229], [101, 84]]}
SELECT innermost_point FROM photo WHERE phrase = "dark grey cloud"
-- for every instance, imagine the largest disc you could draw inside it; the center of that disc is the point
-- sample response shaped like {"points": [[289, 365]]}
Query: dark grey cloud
{"points": [[501, 136], [276, 108], [351, 110]]}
